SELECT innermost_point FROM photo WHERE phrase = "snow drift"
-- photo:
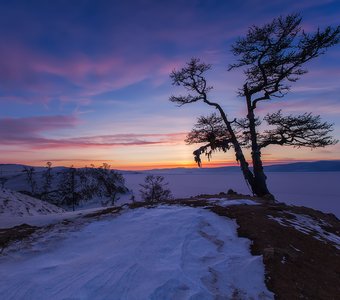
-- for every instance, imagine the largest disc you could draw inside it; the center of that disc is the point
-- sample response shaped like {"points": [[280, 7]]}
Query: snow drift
{"points": [[167, 252]]}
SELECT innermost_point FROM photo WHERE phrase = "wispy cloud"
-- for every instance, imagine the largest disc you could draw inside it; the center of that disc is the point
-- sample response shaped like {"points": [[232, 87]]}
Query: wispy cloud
{"points": [[31, 127], [29, 76], [30, 132]]}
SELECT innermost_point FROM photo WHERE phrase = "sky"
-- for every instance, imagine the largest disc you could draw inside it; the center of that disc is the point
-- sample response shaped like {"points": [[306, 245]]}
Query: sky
{"points": [[87, 82]]}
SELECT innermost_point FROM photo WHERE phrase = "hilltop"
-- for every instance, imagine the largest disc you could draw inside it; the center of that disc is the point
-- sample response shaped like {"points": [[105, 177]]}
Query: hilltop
{"points": [[186, 247]]}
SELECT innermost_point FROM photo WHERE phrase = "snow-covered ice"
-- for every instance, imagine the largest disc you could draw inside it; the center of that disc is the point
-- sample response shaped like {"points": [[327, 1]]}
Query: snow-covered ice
{"points": [[316, 190], [167, 252]]}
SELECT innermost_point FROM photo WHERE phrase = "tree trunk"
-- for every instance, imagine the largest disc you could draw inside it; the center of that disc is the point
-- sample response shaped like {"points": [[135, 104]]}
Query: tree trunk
{"points": [[259, 177], [247, 174], [256, 181], [260, 184]]}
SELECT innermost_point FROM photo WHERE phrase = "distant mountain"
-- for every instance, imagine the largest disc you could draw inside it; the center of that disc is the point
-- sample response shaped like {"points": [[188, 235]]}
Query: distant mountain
{"points": [[15, 169], [317, 166], [193, 170]]}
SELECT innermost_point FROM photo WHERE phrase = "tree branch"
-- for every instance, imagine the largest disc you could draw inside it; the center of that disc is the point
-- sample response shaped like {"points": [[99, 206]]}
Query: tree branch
{"points": [[298, 131], [275, 53]]}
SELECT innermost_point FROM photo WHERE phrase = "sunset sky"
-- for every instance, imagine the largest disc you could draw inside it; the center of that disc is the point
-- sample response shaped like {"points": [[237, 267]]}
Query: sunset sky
{"points": [[85, 82]]}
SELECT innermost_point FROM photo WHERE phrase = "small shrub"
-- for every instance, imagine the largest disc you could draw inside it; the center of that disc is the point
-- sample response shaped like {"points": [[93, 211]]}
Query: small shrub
{"points": [[154, 189]]}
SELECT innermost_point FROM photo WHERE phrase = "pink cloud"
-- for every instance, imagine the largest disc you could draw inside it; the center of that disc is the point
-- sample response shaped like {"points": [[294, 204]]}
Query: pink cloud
{"points": [[116, 140], [29, 132], [20, 130]]}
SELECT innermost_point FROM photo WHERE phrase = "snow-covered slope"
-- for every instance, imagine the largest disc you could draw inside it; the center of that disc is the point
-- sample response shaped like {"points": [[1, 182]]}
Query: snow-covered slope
{"points": [[14, 204], [89, 182], [168, 252]]}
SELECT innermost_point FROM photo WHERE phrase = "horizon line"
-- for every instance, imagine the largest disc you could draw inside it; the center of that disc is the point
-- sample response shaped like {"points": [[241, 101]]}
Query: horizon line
{"points": [[171, 166]]}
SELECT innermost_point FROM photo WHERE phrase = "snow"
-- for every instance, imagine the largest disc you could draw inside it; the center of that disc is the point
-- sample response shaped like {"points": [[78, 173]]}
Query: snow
{"points": [[307, 225], [316, 190], [14, 204], [17, 208], [167, 252]]}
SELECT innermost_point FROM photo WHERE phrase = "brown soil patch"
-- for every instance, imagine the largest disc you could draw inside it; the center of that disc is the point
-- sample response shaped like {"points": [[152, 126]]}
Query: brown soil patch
{"points": [[16, 233], [298, 266], [103, 212]]}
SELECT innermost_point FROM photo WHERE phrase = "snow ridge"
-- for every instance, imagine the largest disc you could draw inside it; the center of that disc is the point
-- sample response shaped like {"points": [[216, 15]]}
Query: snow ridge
{"points": [[15, 204]]}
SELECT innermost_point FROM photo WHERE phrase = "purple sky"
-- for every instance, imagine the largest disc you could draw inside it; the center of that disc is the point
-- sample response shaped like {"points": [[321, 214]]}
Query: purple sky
{"points": [[88, 81]]}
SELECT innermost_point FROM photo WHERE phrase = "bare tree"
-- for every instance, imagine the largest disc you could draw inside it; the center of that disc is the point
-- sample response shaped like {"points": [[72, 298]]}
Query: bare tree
{"points": [[112, 182], [47, 177], [271, 57], [68, 187], [3, 179], [30, 173], [154, 189]]}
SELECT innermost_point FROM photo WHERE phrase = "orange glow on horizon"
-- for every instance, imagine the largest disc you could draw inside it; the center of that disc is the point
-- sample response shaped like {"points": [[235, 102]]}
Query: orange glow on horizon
{"points": [[156, 165]]}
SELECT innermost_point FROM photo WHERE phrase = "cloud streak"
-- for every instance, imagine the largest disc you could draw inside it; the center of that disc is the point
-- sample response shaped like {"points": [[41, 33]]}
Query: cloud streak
{"points": [[22, 128], [33, 77], [29, 132]]}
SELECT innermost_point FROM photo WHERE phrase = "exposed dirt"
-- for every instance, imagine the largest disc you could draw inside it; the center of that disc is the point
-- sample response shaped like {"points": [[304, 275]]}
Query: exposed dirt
{"points": [[16, 233], [103, 212], [298, 266]]}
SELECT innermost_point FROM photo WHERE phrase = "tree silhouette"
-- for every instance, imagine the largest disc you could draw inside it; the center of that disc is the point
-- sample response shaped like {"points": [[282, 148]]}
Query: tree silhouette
{"points": [[272, 57], [30, 178], [67, 187], [155, 189], [3, 179], [47, 181]]}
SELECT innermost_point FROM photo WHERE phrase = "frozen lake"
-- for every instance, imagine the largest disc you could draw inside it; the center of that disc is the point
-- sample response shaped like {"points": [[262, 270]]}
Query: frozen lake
{"points": [[317, 190]]}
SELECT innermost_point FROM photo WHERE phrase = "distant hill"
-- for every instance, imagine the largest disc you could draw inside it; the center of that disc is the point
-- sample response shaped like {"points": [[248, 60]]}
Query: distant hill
{"points": [[317, 166]]}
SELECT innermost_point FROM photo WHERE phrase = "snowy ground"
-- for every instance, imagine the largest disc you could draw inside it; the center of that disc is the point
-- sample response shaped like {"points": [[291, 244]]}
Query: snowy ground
{"points": [[161, 253], [316, 190]]}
